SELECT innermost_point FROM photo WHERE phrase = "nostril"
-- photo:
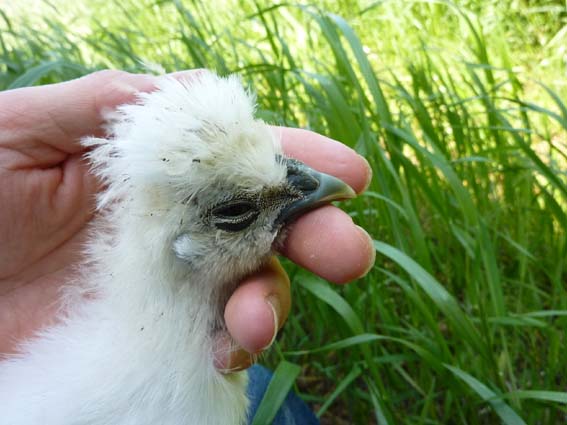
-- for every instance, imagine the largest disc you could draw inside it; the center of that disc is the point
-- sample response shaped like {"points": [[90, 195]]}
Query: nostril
{"points": [[299, 176], [303, 182]]}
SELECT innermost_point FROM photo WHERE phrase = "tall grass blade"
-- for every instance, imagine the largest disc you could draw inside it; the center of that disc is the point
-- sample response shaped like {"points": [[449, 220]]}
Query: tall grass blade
{"points": [[505, 412], [278, 388]]}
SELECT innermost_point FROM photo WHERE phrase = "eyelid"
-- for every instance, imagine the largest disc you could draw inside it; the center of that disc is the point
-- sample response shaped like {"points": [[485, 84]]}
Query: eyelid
{"points": [[235, 224], [237, 221]]}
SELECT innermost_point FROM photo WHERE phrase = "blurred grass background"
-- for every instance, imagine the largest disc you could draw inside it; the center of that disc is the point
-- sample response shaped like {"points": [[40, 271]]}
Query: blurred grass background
{"points": [[460, 109]]}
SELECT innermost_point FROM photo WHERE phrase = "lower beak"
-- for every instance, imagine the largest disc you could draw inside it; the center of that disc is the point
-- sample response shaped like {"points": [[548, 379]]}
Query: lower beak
{"points": [[317, 189]]}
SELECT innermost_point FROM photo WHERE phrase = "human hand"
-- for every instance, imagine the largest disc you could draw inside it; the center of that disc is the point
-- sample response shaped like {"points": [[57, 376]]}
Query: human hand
{"points": [[47, 200]]}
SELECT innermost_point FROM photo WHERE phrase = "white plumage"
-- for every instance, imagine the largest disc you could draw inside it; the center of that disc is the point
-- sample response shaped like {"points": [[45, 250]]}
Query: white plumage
{"points": [[196, 192]]}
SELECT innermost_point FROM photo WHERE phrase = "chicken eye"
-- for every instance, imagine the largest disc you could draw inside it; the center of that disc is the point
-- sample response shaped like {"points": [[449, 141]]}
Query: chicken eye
{"points": [[234, 216], [233, 210]]}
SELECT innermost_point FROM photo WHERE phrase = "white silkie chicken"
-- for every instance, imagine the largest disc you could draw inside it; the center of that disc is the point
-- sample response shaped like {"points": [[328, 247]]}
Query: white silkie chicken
{"points": [[196, 194]]}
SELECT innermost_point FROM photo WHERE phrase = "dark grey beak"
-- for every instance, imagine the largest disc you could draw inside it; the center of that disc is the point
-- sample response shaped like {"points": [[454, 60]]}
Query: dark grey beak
{"points": [[316, 189]]}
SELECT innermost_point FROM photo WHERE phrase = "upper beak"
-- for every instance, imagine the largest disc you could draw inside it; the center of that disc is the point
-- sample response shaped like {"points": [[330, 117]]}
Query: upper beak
{"points": [[316, 189]]}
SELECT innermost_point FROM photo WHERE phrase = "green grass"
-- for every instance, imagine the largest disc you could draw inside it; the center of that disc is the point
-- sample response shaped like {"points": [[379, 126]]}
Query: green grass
{"points": [[459, 108]]}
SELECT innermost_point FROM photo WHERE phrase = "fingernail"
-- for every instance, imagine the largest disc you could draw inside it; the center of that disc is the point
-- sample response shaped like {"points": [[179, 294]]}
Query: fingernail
{"points": [[274, 304], [369, 174], [229, 357], [372, 251], [128, 88], [238, 361]]}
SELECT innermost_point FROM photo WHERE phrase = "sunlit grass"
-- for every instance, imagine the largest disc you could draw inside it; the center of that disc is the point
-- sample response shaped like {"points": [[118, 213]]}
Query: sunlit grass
{"points": [[463, 318]]}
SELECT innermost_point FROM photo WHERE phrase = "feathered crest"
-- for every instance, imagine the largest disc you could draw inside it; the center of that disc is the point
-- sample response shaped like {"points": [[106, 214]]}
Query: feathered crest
{"points": [[188, 135]]}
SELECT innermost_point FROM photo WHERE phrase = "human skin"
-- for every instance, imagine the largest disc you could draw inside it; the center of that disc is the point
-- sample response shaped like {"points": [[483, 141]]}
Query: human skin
{"points": [[47, 200]]}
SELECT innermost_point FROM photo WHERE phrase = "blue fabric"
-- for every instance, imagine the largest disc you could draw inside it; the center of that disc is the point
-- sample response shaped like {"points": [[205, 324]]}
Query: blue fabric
{"points": [[293, 411]]}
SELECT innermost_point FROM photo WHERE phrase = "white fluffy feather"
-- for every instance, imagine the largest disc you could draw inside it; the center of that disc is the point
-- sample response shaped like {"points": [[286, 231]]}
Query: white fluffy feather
{"points": [[134, 343]]}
